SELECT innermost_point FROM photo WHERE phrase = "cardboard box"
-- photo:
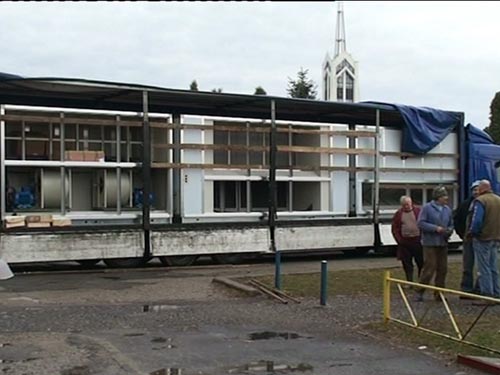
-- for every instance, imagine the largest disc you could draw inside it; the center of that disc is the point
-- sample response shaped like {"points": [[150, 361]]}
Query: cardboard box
{"points": [[32, 219], [99, 156], [44, 218], [74, 156], [93, 155], [61, 222], [38, 225]]}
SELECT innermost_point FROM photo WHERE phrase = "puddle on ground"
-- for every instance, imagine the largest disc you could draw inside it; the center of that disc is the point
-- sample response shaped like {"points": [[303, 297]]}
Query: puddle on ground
{"points": [[159, 339], [341, 365], [270, 367], [167, 371], [267, 335], [157, 308]]}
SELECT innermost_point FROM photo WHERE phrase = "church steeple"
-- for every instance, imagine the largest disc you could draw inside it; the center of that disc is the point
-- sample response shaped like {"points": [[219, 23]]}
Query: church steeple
{"points": [[340, 73], [340, 31]]}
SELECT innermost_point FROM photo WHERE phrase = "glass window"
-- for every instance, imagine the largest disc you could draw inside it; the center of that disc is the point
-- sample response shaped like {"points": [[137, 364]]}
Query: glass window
{"points": [[230, 196], [220, 138], [389, 197], [349, 84], [367, 194], [417, 196]]}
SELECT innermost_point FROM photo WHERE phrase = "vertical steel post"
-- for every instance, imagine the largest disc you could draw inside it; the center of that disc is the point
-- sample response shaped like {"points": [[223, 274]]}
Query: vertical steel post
{"points": [[463, 156], [23, 140], [324, 282], [118, 169], [352, 174], [272, 194], [376, 173], [376, 182], [277, 269], [2, 166], [63, 170], [146, 173], [176, 172]]}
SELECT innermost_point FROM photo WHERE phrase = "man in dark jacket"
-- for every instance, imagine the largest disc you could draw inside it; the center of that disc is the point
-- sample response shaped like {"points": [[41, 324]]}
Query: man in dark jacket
{"points": [[407, 235], [485, 232], [461, 218]]}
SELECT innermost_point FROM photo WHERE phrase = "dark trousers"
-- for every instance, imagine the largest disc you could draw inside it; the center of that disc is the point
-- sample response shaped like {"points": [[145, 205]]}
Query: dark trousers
{"points": [[467, 283], [435, 265], [409, 250]]}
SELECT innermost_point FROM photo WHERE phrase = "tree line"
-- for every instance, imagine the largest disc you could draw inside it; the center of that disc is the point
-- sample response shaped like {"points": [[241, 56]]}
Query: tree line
{"points": [[301, 87]]}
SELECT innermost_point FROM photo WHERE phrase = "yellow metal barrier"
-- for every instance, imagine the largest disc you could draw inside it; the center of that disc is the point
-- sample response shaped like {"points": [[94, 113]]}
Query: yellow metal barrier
{"points": [[415, 322]]}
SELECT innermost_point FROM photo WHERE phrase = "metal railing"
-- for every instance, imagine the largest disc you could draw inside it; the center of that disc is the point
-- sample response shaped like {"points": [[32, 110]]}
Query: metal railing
{"points": [[461, 332]]}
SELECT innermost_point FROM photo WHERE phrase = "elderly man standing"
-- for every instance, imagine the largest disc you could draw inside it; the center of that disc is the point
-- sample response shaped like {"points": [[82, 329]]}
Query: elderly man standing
{"points": [[407, 235], [485, 233], [436, 223]]}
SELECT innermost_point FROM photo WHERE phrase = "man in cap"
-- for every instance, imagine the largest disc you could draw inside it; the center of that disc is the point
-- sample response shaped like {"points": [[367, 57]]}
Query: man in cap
{"points": [[436, 223], [485, 232], [461, 220]]}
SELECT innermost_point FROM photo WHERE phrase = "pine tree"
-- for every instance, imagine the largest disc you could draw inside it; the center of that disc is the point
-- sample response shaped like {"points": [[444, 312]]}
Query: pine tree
{"points": [[303, 87], [193, 86], [494, 128], [219, 90], [260, 91]]}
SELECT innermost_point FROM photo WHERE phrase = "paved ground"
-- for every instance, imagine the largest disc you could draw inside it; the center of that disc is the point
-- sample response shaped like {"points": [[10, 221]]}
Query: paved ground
{"points": [[177, 321]]}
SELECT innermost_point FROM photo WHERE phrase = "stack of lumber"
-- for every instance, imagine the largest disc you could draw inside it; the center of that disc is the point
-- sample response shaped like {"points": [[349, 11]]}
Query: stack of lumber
{"points": [[61, 221]]}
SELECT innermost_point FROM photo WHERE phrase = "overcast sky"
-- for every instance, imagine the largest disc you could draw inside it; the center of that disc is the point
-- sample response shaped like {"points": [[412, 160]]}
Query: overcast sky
{"points": [[437, 54]]}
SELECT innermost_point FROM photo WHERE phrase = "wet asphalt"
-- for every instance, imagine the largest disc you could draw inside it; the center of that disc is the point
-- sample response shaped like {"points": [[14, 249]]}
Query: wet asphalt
{"points": [[179, 322]]}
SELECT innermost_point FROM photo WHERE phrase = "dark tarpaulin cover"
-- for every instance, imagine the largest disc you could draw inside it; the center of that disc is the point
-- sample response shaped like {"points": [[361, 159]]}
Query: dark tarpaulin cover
{"points": [[424, 127], [484, 155], [4, 76]]}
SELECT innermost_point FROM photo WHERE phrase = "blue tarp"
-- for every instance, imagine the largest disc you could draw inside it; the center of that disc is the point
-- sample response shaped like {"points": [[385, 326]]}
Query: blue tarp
{"points": [[424, 127], [483, 156]]}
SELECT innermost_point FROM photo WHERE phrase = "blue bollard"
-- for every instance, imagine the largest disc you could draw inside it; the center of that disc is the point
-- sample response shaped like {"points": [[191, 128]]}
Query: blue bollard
{"points": [[277, 270], [324, 282]]}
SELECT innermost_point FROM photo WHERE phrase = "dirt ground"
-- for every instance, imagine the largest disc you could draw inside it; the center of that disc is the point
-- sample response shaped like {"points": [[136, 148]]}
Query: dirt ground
{"points": [[177, 321]]}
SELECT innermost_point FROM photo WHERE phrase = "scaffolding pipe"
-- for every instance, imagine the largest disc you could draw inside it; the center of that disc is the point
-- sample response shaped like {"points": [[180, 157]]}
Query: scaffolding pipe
{"points": [[146, 173]]}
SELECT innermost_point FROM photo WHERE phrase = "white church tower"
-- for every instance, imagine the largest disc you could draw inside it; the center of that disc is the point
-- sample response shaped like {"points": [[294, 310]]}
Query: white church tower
{"points": [[340, 73]]}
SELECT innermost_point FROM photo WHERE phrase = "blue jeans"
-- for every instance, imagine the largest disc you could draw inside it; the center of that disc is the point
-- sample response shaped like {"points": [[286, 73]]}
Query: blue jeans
{"points": [[467, 284], [486, 258]]}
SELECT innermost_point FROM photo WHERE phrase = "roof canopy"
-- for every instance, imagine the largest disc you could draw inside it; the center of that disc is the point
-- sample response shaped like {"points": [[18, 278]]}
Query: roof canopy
{"points": [[87, 94]]}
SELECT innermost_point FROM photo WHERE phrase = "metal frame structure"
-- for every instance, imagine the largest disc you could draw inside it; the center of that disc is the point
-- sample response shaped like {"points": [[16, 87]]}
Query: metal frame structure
{"points": [[418, 322], [84, 95]]}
